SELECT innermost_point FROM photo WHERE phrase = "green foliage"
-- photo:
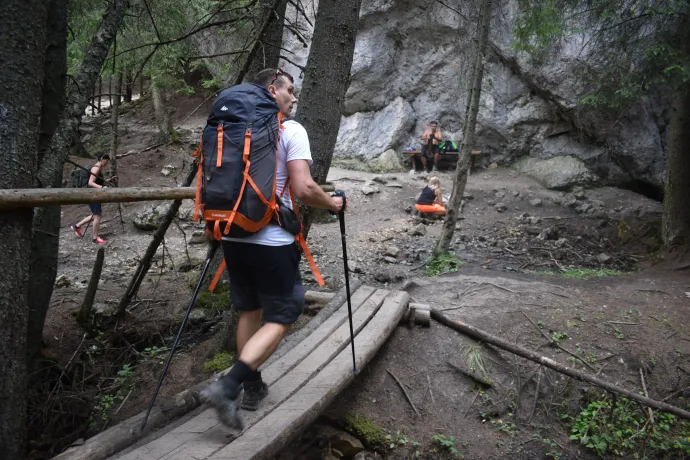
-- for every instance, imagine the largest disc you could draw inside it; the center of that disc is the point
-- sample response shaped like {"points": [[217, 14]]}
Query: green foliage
{"points": [[472, 354], [585, 273], [446, 444], [213, 300], [219, 362], [558, 337], [369, 432], [154, 353], [443, 263], [626, 431], [122, 385], [626, 47]]}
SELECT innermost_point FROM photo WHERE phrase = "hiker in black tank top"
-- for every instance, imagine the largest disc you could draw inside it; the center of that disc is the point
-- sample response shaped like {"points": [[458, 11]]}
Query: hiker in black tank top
{"points": [[430, 201], [96, 180]]}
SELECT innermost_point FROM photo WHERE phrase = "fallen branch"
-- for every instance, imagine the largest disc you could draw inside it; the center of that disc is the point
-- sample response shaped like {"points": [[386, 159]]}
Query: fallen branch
{"points": [[551, 364], [675, 393], [500, 287], [623, 322], [557, 345], [404, 392], [682, 267], [644, 388], [652, 290], [482, 381]]}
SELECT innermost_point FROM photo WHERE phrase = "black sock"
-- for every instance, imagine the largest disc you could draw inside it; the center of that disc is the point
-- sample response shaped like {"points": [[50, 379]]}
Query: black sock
{"points": [[254, 376], [233, 379]]}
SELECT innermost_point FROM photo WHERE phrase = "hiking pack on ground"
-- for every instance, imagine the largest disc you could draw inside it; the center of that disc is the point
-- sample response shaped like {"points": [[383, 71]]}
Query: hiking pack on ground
{"points": [[237, 159]]}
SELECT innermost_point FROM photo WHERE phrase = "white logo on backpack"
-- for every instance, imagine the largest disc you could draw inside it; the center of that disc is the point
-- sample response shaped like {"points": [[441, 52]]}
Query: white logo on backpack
{"points": [[223, 109]]}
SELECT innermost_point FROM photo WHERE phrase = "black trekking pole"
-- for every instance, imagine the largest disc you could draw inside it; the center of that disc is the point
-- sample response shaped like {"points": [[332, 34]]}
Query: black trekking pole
{"points": [[341, 219], [209, 257]]}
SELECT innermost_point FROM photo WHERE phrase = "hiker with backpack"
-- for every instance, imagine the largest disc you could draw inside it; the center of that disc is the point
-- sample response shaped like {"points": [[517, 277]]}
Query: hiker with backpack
{"points": [[430, 201], [95, 180], [252, 165], [430, 150]]}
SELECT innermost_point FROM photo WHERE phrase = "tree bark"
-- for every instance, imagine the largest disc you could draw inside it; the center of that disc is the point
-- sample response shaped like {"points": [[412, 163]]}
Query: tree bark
{"points": [[460, 178], [114, 118], [46, 228], [22, 53], [485, 337], [326, 79], [676, 215], [271, 40], [162, 116], [129, 84], [27, 198], [84, 316]]}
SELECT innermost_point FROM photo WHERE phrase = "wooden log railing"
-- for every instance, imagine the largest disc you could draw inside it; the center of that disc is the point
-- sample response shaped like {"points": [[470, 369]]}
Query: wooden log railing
{"points": [[38, 197]]}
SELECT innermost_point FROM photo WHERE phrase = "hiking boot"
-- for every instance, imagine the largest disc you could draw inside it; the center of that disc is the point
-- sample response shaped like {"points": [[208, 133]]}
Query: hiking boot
{"points": [[225, 407], [254, 393], [76, 230], [100, 241]]}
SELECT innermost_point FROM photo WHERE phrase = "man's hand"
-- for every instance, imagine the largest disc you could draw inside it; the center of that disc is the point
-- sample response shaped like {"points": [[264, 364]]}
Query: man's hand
{"points": [[337, 204]]}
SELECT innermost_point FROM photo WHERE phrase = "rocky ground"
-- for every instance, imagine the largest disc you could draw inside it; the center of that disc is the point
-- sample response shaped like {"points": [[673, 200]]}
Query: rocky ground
{"points": [[527, 253]]}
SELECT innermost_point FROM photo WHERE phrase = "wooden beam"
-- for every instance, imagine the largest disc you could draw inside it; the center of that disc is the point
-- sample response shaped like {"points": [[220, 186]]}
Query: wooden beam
{"points": [[38, 197]]}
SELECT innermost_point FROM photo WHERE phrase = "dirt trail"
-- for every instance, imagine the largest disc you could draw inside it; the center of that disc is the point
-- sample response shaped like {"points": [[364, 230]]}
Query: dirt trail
{"points": [[512, 232]]}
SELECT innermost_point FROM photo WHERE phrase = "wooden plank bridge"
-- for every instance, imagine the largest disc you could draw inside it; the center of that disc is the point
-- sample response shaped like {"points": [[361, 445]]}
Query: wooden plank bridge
{"points": [[302, 382]]}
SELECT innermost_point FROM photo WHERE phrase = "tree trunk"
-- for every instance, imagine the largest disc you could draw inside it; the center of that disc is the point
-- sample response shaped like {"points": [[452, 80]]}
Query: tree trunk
{"points": [[46, 229], [114, 118], [271, 40], [460, 179], [676, 216], [100, 90], [162, 116], [22, 53], [326, 79], [129, 84], [84, 316]]}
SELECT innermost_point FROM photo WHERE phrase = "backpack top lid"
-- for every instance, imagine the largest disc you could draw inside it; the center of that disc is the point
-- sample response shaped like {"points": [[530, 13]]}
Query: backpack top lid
{"points": [[247, 102]]}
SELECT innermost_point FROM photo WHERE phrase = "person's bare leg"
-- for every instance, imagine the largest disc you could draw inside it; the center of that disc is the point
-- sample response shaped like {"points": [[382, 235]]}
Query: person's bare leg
{"points": [[423, 158], [262, 344], [436, 157], [84, 221], [248, 324], [96, 225]]}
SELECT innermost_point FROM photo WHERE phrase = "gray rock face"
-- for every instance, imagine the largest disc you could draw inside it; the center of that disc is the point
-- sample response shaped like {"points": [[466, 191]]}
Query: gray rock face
{"points": [[412, 64], [557, 173], [149, 218], [388, 161]]}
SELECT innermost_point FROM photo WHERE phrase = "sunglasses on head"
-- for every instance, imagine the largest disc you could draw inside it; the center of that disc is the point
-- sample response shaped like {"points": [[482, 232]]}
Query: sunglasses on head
{"points": [[279, 73]]}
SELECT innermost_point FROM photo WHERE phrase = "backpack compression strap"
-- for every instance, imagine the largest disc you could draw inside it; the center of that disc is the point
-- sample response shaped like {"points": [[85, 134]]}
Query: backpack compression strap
{"points": [[300, 238]]}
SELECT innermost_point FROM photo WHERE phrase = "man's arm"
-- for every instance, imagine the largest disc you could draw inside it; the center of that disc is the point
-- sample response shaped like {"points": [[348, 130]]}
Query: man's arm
{"points": [[307, 190], [95, 171]]}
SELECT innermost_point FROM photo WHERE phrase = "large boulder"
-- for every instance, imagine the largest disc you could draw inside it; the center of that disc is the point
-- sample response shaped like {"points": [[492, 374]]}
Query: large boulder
{"points": [[150, 217], [411, 65], [558, 173], [369, 134], [388, 161]]}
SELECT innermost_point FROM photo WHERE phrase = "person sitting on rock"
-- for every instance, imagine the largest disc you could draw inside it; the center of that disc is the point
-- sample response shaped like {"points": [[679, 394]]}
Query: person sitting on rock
{"points": [[430, 151], [430, 200]]}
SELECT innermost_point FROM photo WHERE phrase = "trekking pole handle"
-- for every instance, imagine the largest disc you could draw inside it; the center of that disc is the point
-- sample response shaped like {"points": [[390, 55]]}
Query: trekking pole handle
{"points": [[341, 194]]}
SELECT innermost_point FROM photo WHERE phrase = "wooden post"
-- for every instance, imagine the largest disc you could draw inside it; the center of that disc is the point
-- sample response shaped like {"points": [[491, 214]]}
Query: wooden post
{"points": [[84, 315]]}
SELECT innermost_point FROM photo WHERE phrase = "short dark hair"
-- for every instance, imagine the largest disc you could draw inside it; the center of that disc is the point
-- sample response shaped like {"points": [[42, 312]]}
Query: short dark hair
{"points": [[270, 76], [434, 123], [103, 156]]}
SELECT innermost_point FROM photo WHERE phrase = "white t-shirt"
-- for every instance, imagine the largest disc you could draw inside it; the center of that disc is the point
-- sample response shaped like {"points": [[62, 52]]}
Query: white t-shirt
{"points": [[293, 145]]}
